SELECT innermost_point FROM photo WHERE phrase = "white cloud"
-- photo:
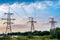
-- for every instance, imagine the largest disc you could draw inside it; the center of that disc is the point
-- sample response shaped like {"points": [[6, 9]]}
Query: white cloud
{"points": [[29, 8], [14, 5], [4, 8], [21, 5], [49, 3], [41, 6], [17, 5]]}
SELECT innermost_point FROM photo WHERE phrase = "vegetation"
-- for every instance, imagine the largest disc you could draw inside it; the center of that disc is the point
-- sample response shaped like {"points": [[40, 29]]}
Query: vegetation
{"points": [[55, 33], [26, 38], [36, 35]]}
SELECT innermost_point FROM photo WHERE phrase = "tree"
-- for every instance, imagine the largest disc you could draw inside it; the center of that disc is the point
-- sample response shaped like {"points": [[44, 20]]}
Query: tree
{"points": [[55, 33]]}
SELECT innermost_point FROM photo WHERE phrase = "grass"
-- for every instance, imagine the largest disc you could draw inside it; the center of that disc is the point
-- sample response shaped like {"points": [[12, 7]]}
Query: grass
{"points": [[27, 38]]}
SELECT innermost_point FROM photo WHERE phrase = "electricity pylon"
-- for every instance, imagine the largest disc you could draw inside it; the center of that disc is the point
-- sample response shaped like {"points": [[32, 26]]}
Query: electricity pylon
{"points": [[52, 22], [53, 30], [8, 22], [32, 23]]}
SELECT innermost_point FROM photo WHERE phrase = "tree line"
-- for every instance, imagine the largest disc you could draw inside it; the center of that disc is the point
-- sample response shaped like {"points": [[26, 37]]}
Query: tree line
{"points": [[54, 33]]}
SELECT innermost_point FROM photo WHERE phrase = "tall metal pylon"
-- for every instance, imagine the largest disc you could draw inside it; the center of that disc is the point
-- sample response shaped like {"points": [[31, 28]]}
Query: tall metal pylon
{"points": [[52, 30], [32, 23], [8, 22], [52, 22]]}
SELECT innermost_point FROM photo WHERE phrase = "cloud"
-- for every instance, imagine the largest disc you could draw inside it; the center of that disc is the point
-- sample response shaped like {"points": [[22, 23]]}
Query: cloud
{"points": [[41, 6], [3, 8], [27, 8], [49, 3], [17, 5], [20, 28]]}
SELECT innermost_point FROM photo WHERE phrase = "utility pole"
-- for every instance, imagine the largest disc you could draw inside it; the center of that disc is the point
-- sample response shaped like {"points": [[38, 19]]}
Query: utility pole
{"points": [[8, 22], [32, 23]]}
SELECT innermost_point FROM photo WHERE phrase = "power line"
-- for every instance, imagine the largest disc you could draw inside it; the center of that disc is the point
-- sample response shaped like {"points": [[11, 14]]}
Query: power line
{"points": [[17, 14]]}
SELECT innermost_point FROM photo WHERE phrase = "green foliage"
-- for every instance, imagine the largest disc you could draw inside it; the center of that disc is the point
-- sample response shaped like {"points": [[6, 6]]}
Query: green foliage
{"points": [[5, 38], [26, 38], [55, 33], [35, 33], [30, 37], [52, 33], [22, 38], [58, 33]]}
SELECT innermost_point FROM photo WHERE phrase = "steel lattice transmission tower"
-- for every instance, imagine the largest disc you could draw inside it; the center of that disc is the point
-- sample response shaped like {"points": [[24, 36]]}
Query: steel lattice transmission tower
{"points": [[52, 30], [32, 23], [52, 22], [8, 22]]}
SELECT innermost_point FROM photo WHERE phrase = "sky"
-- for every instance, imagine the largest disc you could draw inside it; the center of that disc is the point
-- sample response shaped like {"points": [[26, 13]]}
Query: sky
{"points": [[40, 10]]}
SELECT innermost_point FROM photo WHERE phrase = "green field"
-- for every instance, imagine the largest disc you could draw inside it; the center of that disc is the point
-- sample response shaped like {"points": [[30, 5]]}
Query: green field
{"points": [[27, 38]]}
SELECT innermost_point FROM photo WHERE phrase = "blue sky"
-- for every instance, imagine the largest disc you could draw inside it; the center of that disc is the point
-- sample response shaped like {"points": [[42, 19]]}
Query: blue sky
{"points": [[21, 1], [41, 10]]}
